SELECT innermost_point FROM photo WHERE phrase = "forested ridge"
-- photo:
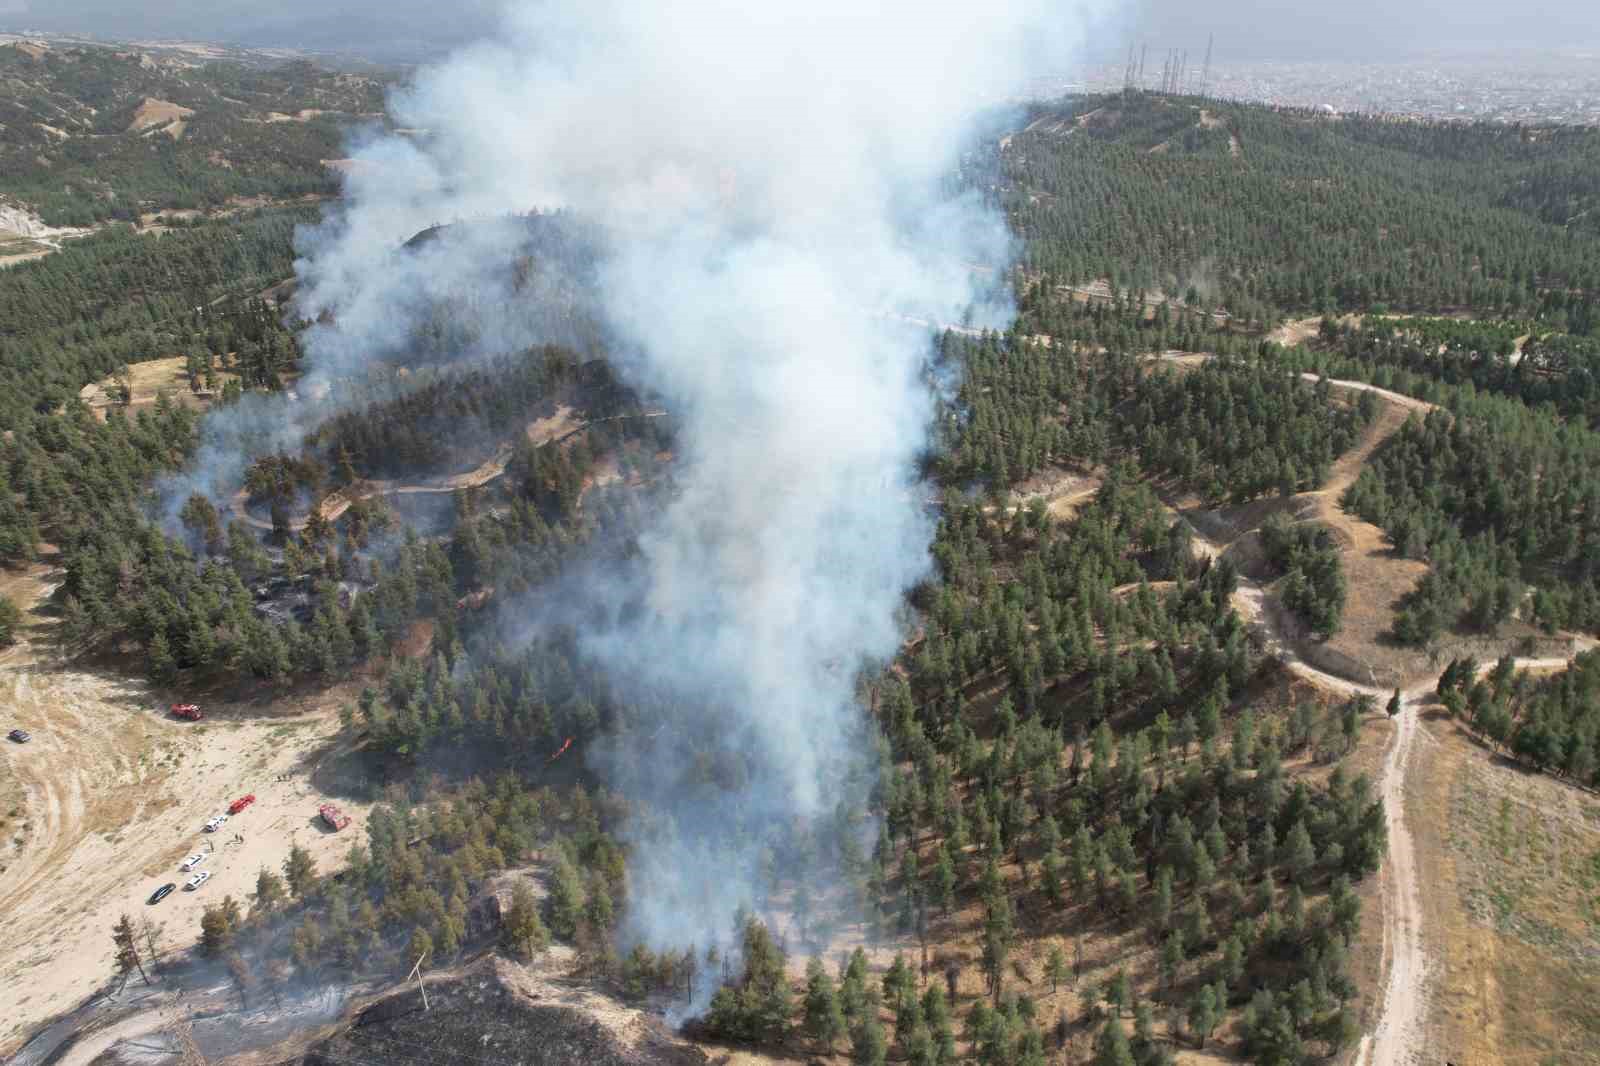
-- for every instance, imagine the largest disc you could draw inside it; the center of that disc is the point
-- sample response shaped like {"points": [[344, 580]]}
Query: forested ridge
{"points": [[71, 148], [1261, 210]]}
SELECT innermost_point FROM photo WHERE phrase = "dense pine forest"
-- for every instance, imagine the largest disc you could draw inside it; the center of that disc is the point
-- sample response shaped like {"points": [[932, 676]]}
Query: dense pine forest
{"points": [[1261, 212]]}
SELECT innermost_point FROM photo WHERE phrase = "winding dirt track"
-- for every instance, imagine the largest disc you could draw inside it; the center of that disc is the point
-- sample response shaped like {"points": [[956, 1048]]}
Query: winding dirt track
{"points": [[1400, 1030], [1403, 1012]]}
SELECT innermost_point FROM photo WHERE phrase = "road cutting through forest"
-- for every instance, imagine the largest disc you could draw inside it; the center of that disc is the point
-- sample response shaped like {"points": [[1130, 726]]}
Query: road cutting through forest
{"points": [[1400, 1029]]}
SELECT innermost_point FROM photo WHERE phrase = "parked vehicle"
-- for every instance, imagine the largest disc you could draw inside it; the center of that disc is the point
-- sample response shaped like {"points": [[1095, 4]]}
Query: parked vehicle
{"points": [[161, 893], [194, 860], [19, 736], [333, 817], [189, 712], [197, 880], [241, 803], [216, 823]]}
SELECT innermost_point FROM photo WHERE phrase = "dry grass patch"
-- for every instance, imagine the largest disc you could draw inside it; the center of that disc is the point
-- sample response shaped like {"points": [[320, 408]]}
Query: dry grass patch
{"points": [[1513, 913], [148, 381]]}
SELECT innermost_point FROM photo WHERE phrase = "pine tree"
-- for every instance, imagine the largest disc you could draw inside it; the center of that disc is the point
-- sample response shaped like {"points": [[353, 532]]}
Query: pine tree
{"points": [[126, 941], [1299, 855], [824, 1016], [161, 667], [300, 871], [1112, 1049], [524, 929], [269, 889], [218, 924], [1203, 1014], [1055, 966], [869, 1046]]}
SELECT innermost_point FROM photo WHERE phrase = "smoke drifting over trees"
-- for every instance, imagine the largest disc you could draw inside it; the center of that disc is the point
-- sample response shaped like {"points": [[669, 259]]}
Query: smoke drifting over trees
{"points": [[771, 186]]}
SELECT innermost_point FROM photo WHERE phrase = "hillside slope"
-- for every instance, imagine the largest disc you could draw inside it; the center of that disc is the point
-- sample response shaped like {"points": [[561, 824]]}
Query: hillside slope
{"points": [[90, 133]]}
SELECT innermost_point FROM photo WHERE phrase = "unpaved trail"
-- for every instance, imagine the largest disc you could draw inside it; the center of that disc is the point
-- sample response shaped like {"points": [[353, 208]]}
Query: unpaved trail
{"points": [[1399, 1031], [1401, 1025]]}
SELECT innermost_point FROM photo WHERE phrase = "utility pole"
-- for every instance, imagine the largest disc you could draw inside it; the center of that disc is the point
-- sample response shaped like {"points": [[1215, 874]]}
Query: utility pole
{"points": [[416, 971]]}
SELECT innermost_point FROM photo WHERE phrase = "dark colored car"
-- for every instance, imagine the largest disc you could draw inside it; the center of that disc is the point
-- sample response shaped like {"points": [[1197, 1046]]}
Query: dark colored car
{"points": [[19, 736], [161, 893]]}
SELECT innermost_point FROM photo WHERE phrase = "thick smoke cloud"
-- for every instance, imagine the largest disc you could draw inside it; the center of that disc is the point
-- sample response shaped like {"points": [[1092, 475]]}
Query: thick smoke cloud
{"points": [[772, 180]]}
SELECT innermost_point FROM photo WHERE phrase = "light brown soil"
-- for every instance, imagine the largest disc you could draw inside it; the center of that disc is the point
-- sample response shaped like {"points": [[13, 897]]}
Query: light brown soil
{"points": [[153, 113], [149, 380], [1296, 331], [116, 794], [1511, 912], [1376, 575], [1063, 491]]}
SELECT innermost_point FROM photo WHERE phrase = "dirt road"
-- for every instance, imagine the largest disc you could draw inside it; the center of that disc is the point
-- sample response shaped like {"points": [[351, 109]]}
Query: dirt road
{"points": [[1404, 1008], [1400, 1028]]}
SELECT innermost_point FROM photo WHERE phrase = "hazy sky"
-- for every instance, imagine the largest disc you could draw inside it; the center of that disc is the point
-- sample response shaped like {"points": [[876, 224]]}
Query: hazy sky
{"points": [[1356, 29], [1244, 28]]}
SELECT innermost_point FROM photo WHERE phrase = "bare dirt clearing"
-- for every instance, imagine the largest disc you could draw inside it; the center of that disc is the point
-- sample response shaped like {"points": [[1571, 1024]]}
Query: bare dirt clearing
{"points": [[115, 795], [148, 381], [170, 118], [1295, 331]]}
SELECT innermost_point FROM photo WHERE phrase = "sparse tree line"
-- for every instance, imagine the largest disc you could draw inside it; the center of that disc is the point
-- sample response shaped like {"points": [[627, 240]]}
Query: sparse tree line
{"points": [[419, 886], [1552, 723]]}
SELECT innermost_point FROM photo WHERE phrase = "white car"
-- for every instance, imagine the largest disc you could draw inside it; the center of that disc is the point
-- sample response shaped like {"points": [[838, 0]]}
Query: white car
{"points": [[197, 880], [194, 860], [216, 823]]}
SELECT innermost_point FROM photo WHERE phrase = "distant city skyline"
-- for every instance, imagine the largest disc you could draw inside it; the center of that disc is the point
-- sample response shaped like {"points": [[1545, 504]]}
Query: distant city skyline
{"points": [[1245, 29]]}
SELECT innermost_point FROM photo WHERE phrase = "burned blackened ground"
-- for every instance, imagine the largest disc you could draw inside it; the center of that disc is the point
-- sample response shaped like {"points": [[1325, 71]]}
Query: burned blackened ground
{"points": [[492, 1015]]}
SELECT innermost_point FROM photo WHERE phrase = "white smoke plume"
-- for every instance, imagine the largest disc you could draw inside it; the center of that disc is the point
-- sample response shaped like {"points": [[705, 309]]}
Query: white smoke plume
{"points": [[774, 182]]}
